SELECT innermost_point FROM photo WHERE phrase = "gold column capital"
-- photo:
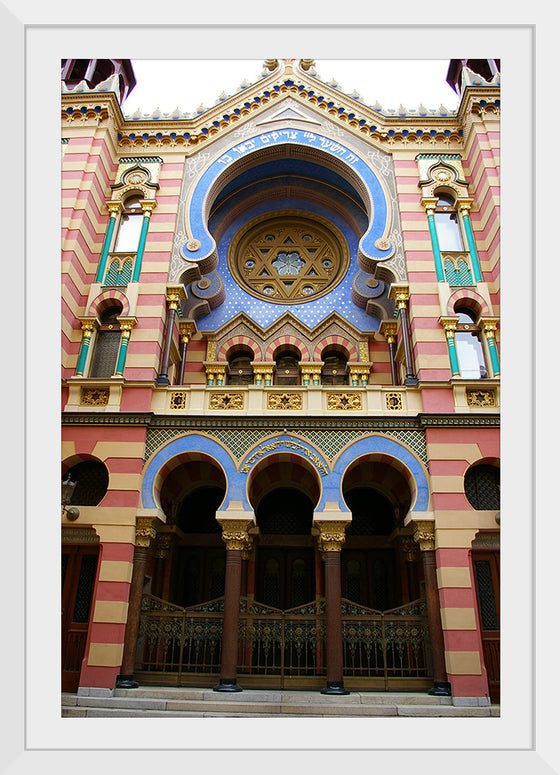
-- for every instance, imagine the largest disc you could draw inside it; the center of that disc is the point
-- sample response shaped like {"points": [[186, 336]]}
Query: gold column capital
{"points": [[464, 204], [127, 324], [399, 293], [489, 326], [388, 329], [424, 534], [450, 325], [331, 534], [235, 535], [148, 206], [115, 207], [187, 329], [429, 203], [145, 531], [88, 326], [175, 294]]}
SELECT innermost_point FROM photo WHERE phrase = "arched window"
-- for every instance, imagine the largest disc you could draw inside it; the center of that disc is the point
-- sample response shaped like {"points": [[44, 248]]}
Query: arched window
{"points": [[92, 481], [447, 224], [107, 344], [334, 369], [130, 225], [287, 368], [470, 352], [240, 368], [482, 487]]}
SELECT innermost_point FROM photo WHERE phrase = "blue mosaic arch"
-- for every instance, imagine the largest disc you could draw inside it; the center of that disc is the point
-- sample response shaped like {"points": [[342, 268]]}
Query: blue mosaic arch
{"points": [[197, 205], [198, 444], [384, 446]]}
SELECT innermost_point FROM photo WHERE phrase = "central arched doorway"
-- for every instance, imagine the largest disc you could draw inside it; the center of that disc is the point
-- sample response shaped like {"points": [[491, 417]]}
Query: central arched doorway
{"points": [[285, 558]]}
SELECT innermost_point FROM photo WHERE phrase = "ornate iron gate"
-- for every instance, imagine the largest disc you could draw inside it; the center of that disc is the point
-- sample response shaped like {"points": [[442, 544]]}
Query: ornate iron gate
{"points": [[382, 649]]}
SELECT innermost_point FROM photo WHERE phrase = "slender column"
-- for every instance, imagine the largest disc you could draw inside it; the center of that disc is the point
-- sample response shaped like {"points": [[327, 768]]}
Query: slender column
{"points": [[430, 205], [87, 331], [145, 532], [311, 373], [114, 209], [450, 324], [263, 372], [330, 539], [186, 329], [359, 373], [389, 330], [424, 535], [234, 533], [464, 206], [126, 328], [400, 294], [173, 297], [147, 207], [489, 326]]}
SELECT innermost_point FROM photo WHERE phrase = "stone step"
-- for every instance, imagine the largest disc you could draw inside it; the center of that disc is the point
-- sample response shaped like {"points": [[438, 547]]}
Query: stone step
{"points": [[283, 696], [418, 711], [171, 701]]}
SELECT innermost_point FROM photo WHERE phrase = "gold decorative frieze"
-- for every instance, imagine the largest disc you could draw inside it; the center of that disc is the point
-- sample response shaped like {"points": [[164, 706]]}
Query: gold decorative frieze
{"points": [[344, 401], [393, 401], [226, 401], [481, 398], [285, 401], [178, 400], [94, 396]]}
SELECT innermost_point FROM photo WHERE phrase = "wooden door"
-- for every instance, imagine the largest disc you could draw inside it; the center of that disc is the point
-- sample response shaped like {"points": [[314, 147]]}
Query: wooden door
{"points": [[486, 567], [369, 578], [285, 577], [79, 568]]}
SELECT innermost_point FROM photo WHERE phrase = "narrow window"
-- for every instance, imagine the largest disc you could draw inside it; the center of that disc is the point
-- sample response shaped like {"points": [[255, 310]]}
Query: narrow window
{"points": [[130, 226], [107, 344], [447, 225], [470, 352]]}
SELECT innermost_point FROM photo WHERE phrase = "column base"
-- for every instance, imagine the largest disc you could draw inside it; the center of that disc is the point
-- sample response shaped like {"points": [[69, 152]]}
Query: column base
{"points": [[227, 685], [126, 682], [440, 689], [411, 381], [162, 380], [335, 687]]}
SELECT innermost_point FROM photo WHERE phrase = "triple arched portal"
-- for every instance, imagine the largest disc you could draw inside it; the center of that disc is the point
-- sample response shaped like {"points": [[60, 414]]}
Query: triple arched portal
{"points": [[286, 491]]}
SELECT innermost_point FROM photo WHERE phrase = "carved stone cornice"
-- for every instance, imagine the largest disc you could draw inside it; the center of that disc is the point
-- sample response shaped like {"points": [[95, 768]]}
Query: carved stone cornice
{"points": [[331, 534], [424, 534]]}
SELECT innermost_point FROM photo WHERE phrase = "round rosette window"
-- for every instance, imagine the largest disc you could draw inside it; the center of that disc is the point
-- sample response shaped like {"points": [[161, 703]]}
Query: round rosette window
{"points": [[288, 257]]}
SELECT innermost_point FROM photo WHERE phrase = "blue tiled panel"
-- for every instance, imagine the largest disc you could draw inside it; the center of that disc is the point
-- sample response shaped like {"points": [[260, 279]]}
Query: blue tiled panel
{"points": [[311, 312]]}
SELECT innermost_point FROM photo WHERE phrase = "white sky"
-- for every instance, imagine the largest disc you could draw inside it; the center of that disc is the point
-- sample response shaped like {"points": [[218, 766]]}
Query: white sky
{"points": [[186, 84]]}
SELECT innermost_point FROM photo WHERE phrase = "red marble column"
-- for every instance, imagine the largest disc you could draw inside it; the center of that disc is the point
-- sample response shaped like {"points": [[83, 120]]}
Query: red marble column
{"points": [[424, 535], [144, 534], [234, 533], [331, 538]]}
